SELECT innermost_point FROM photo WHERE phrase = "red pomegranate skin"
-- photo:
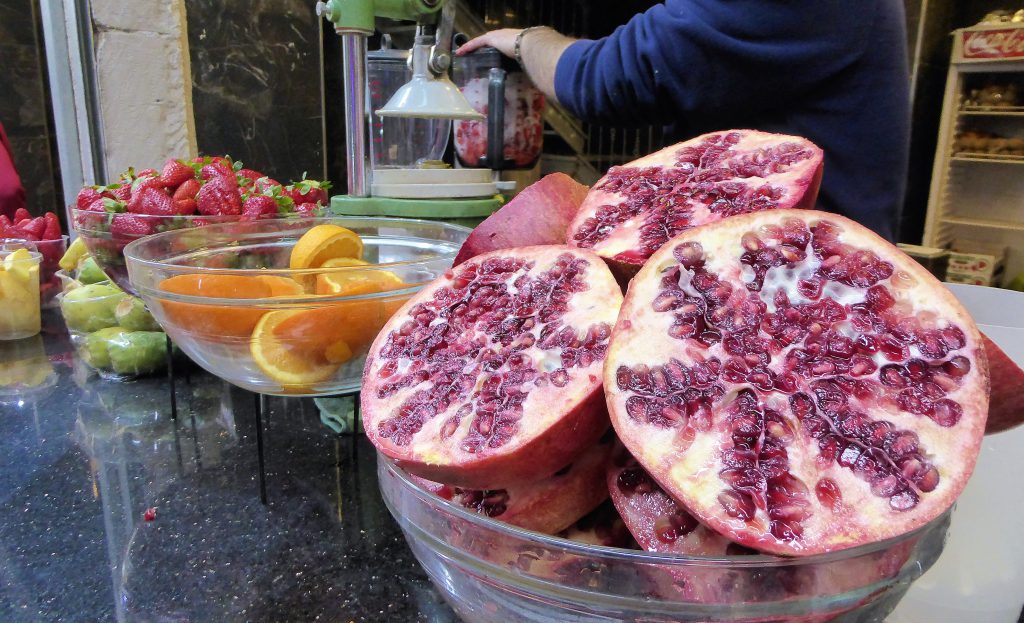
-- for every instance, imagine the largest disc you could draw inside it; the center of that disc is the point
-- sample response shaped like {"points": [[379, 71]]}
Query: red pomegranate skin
{"points": [[797, 383], [491, 375], [637, 207], [549, 505], [539, 214], [1006, 400]]}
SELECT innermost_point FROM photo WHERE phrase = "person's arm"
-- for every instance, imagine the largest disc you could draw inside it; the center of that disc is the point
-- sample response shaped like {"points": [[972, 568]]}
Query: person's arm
{"points": [[540, 50]]}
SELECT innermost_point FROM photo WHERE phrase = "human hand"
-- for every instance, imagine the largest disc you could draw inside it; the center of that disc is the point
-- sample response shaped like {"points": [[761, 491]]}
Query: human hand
{"points": [[503, 40]]}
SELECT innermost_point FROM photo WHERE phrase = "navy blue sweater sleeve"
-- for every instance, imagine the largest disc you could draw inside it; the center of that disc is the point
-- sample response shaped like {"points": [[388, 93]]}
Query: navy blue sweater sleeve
{"points": [[698, 55]]}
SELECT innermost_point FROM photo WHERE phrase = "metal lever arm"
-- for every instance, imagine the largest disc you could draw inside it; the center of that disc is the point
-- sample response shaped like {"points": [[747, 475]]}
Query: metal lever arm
{"points": [[441, 53]]}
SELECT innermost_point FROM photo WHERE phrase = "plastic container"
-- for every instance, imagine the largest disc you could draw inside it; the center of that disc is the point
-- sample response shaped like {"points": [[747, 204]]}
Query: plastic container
{"points": [[111, 332], [398, 142], [287, 354], [980, 574], [490, 571], [497, 87], [19, 292]]}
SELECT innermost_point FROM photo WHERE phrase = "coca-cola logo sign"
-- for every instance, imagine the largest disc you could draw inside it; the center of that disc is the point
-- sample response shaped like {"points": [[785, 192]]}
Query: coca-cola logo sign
{"points": [[1001, 43]]}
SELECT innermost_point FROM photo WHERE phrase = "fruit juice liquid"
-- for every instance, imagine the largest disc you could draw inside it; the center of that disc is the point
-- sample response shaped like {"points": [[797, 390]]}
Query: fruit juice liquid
{"points": [[524, 126], [19, 294]]}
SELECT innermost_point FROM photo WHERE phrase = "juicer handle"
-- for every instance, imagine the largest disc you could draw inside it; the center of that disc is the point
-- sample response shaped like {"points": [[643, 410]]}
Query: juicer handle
{"points": [[496, 119]]}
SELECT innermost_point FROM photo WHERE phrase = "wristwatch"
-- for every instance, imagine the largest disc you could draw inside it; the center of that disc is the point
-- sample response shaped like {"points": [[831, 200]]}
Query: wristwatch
{"points": [[517, 48]]}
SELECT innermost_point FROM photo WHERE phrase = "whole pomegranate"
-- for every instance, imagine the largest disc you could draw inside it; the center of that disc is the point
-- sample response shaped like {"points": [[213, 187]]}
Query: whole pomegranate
{"points": [[549, 505], [636, 208], [797, 383], [491, 375]]}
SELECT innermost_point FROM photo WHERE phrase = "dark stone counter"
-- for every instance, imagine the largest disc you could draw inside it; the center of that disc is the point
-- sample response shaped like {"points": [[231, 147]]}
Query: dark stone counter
{"points": [[82, 459]]}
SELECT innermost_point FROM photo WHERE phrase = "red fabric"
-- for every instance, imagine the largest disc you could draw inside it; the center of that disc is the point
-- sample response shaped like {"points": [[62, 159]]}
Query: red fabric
{"points": [[12, 193]]}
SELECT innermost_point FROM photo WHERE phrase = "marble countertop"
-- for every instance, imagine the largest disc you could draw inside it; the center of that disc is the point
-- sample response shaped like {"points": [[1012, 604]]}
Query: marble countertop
{"points": [[82, 459]]}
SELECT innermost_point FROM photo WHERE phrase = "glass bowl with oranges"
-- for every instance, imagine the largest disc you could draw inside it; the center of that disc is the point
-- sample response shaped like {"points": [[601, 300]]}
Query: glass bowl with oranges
{"points": [[287, 306]]}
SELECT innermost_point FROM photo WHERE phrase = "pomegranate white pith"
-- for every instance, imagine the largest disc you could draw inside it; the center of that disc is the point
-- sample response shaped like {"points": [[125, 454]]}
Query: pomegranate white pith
{"points": [[798, 383], [635, 208], [490, 376]]}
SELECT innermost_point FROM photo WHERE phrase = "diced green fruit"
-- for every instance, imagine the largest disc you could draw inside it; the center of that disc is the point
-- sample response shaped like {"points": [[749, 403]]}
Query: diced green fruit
{"points": [[96, 348], [131, 313], [138, 352], [1017, 283], [91, 307], [90, 272]]}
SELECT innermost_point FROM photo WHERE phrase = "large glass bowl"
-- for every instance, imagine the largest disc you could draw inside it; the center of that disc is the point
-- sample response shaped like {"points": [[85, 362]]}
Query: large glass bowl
{"points": [[108, 248], [232, 337], [491, 571]]}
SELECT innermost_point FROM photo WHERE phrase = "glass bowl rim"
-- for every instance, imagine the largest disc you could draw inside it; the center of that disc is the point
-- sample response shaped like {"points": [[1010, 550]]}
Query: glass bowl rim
{"points": [[305, 300], [632, 556]]}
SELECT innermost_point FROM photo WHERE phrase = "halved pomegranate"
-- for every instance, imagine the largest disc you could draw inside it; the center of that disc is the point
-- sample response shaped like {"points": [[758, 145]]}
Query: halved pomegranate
{"points": [[656, 521], [539, 214], [491, 375], [797, 383], [636, 208], [549, 505], [602, 526]]}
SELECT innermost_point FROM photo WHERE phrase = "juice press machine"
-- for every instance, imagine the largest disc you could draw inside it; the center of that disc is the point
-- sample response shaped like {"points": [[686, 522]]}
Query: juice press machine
{"points": [[419, 114]]}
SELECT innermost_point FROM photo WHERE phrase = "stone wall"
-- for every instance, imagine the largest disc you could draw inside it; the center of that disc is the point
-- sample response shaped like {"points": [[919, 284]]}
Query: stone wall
{"points": [[143, 80]]}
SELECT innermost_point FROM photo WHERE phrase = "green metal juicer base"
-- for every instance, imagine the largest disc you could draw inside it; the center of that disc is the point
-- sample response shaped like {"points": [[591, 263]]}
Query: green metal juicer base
{"points": [[466, 212]]}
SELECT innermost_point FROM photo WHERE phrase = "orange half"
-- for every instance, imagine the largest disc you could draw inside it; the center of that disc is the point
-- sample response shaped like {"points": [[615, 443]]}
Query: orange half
{"points": [[294, 369]]}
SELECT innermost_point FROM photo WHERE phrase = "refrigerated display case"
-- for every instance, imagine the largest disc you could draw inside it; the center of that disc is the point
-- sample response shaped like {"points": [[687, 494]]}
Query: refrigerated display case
{"points": [[977, 191]]}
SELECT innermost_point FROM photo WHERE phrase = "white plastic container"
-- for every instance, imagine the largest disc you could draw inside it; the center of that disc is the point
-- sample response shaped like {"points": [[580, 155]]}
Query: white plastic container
{"points": [[980, 574]]}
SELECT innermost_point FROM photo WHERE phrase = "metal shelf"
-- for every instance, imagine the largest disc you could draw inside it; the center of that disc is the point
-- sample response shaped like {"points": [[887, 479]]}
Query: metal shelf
{"points": [[993, 158], [984, 222], [993, 111]]}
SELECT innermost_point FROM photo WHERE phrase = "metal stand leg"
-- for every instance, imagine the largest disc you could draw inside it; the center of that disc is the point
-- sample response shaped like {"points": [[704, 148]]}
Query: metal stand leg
{"points": [[259, 406], [170, 379]]}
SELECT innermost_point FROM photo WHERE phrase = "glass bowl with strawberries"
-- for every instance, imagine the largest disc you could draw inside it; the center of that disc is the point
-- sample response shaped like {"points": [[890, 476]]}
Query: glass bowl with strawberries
{"points": [[186, 194], [287, 306]]}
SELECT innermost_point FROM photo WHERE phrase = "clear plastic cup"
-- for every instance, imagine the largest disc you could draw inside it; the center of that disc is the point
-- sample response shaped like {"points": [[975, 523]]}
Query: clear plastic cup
{"points": [[19, 292]]}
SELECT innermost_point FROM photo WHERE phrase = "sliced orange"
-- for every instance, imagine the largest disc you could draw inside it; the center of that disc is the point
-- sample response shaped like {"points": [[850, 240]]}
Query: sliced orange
{"points": [[325, 242], [343, 262], [356, 282], [294, 369], [213, 321]]}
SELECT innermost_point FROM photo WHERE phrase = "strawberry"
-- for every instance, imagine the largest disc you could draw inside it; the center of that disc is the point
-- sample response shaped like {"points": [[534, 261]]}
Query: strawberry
{"points": [[185, 207], [187, 190], [5, 224], [129, 226], [31, 229], [86, 196], [139, 188], [308, 191], [176, 173], [212, 170], [259, 207], [21, 214], [200, 222], [152, 200], [121, 192], [52, 231], [219, 196], [264, 184], [308, 209], [147, 173], [250, 175]]}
